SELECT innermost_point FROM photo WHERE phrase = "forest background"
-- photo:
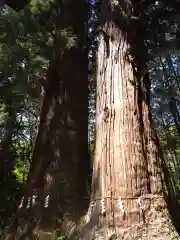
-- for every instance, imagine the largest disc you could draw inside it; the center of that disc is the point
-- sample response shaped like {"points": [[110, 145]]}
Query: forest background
{"points": [[26, 45]]}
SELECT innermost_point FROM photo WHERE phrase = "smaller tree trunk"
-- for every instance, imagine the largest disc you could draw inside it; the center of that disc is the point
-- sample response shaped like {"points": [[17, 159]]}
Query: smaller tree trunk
{"points": [[58, 176]]}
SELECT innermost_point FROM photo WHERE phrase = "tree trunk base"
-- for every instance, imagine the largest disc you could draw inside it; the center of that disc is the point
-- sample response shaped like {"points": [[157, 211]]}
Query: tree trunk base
{"points": [[38, 227], [157, 226]]}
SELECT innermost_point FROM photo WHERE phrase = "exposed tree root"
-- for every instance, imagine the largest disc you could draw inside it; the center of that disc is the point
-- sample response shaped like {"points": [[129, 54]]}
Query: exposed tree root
{"points": [[157, 226]]}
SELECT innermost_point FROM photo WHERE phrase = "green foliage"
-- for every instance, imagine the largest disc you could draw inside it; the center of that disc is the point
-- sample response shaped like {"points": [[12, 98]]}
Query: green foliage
{"points": [[23, 61], [18, 175], [91, 152], [10, 193], [57, 235]]}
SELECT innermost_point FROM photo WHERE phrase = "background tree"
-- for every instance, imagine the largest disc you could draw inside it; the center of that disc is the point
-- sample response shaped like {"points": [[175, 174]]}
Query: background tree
{"points": [[19, 99], [60, 155]]}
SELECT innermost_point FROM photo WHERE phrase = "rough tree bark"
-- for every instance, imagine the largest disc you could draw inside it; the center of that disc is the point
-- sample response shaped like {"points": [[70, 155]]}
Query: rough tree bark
{"points": [[56, 190], [127, 200]]}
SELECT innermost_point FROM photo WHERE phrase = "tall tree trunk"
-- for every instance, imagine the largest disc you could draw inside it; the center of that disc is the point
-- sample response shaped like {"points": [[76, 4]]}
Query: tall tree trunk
{"points": [[59, 171], [6, 155], [127, 200], [6, 158]]}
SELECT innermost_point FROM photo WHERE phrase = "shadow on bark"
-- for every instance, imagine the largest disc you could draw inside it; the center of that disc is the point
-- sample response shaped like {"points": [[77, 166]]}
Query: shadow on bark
{"points": [[169, 191], [88, 223]]}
